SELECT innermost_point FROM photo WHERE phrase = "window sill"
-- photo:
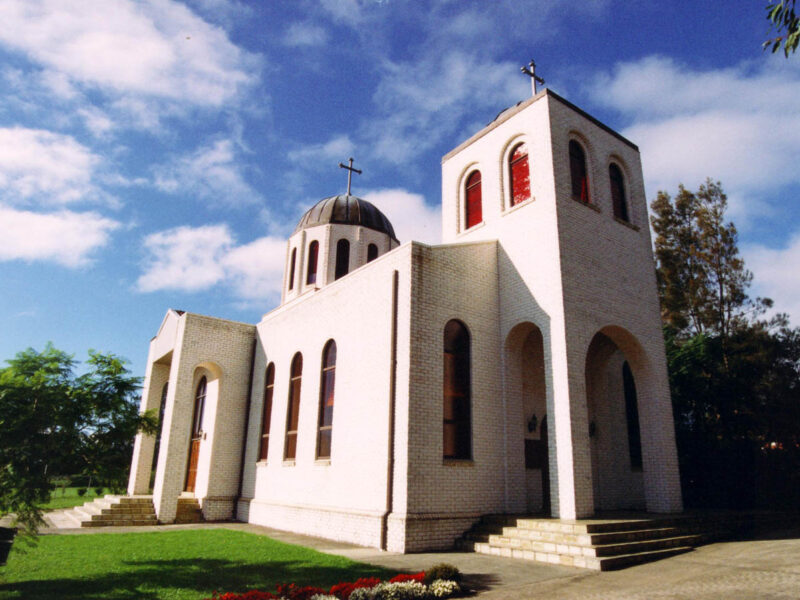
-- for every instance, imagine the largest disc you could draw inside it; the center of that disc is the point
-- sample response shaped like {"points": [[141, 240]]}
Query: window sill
{"points": [[511, 209], [587, 204], [626, 223], [473, 228], [288, 462], [322, 462], [458, 462], [261, 462]]}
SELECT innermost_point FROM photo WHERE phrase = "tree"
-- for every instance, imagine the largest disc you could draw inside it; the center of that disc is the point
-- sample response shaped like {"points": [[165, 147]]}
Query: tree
{"points": [[735, 379], [56, 423], [702, 281], [785, 21]]}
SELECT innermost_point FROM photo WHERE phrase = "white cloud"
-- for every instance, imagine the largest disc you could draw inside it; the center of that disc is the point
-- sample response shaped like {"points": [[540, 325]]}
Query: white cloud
{"points": [[305, 34], [408, 213], [185, 258], [737, 125], [421, 102], [775, 274], [65, 237], [338, 148], [211, 173], [38, 166], [193, 259], [155, 48]]}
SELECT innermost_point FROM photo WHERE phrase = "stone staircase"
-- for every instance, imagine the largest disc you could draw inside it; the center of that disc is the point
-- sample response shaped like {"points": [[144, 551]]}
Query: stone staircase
{"points": [[105, 512], [597, 544], [189, 510]]}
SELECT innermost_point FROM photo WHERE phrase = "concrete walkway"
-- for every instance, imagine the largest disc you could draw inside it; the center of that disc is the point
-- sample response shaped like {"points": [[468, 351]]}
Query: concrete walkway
{"points": [[767, 568]]}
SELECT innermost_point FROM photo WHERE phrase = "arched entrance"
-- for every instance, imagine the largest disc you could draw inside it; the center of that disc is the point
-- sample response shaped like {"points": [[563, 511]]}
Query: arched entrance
{"points": [[527, 392], [613, 415]]}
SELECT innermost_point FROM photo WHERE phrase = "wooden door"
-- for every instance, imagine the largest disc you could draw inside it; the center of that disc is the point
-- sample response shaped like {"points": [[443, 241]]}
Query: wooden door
{"points": [[191, 472]]}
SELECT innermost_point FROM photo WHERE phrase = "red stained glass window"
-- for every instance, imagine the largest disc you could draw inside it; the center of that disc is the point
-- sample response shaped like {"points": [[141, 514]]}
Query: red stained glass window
{"points": [[293, 410], [313, 251], [326, 400], [577, 169], [618, 192], [269, 386], [457, 426], [474, 214], [519, 175]]}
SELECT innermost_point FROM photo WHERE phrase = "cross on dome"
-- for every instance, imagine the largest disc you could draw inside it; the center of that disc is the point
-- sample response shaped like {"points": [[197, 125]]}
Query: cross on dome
{"points": [[350, 170]]}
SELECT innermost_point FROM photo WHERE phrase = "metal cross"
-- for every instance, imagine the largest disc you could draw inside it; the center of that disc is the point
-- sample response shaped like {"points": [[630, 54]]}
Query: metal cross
{"points": [[350, 170], [530, 70]]}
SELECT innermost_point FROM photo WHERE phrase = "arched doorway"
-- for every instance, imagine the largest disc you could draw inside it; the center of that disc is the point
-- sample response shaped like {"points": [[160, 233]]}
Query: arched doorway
{"points": [[527, 392], [614, 431]]}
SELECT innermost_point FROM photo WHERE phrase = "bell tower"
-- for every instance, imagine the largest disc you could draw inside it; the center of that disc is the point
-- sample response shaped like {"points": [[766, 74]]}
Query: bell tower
{"points": [[563, 196]]}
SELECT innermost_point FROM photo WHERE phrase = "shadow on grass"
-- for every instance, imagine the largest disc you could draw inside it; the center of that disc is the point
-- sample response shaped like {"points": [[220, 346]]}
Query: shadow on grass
{"points": [[149, 580]]}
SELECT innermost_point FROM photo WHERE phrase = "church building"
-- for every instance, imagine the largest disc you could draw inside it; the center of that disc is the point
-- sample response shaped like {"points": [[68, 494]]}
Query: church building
{"points": [[402, 390]]}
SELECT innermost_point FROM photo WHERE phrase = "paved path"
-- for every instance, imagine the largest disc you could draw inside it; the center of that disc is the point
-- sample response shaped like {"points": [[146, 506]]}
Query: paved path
{"points": [[767, 568]]}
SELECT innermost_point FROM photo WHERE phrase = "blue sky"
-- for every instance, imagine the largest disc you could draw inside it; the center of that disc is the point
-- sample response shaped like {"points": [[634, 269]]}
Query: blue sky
{"points": [[157, 154]]}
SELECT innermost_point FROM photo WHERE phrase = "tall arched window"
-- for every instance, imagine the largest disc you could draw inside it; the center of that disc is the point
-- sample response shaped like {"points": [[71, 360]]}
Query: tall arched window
{"points": [[632, 416], [618, 192], [199, 408], [519, 175], [293, 410], [342, 258], [291, 268], [269, 386], [474, 208], [457, 434], [313, 251], [326, 400], [577, 170], [372, 252]]}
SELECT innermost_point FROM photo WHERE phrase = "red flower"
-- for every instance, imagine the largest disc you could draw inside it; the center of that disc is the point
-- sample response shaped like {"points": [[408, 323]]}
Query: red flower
{"points": [[418, 577]]}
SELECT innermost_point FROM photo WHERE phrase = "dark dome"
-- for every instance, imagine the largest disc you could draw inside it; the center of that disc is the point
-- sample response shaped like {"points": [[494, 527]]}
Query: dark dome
{"points": [[347, 210]]}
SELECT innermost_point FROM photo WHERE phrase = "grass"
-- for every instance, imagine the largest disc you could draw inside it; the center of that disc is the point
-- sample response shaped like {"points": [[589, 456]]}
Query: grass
{"points": [[188, 564], [68, 497]]}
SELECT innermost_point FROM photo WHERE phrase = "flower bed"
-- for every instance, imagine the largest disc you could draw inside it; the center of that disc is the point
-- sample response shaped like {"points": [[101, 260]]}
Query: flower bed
{"points": [[400, 587]]}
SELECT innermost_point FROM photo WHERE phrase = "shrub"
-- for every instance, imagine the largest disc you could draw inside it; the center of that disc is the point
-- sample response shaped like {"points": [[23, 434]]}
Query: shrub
{"points": [[442, 588], [344, 589], [403, 590], [81, 491], [442, 571], [98, 491], [295, 592], [323, 597]]}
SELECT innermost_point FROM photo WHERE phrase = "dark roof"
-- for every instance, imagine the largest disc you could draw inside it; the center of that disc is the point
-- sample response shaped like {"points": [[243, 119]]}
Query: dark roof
{"points": [[347, 210]]}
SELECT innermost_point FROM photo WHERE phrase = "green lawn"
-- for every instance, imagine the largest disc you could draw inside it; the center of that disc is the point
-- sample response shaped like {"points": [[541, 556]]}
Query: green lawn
{"points": [[187, 564], [68, 497]]}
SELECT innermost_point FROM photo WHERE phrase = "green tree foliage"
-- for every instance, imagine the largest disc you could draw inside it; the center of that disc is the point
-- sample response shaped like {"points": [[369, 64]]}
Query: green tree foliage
{"points": [[785, 21], [55, 422], [735, 379]]}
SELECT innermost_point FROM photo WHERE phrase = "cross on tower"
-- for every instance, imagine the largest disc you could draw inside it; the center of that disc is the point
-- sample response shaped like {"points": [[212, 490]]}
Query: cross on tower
{"points": [[350, 170], [530, 70]]}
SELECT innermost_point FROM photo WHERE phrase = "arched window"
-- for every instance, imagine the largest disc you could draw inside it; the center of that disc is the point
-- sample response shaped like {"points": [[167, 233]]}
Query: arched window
{"points": [[342, 258], [457, 436], [291, 268], [372, 252], [632, 416], [474, 208], [326, 400], [313, 251], [269, 386], [293, 410], [199, 407], [519, 175], [618, 192], [577, 170]]}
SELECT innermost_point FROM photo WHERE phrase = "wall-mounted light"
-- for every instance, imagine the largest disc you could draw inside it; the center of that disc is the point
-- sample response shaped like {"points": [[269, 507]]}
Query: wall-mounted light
{"points": [[532, 423]]}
